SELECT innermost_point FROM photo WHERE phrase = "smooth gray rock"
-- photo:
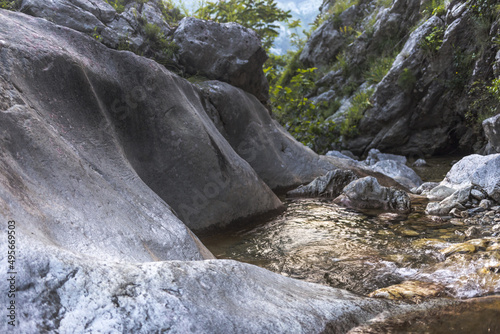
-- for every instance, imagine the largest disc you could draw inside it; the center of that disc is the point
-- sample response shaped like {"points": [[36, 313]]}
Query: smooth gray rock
{"points": [[480, 171], [426, 187], [420, 163], [338, 154], [368, 194], [155, 121], [440, 192], [329, 185], [375, 156], [477, 194], [273, 153], [456, 200], [491, 127], [399, 172], [323, 45], [227, 52], [60, 291]]}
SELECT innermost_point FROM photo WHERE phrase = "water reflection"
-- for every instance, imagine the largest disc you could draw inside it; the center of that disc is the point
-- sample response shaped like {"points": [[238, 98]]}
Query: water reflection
{"points": [[317, 241]]}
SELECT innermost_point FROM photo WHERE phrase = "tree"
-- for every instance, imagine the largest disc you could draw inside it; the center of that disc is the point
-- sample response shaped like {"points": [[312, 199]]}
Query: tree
{"points": [[260, 15]]}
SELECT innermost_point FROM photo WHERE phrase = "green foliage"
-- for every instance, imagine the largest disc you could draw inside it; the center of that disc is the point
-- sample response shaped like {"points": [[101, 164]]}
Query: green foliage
{"points": [[384, 3], [302, 118], [171, 14], [434, 7], [378, 69], [359, 104], [462, 66], [160, 43], [485, 102], [487, 9], [9, 4], [433, 41], [407, 80], [118, 5], [259, 15], [341, 5]]}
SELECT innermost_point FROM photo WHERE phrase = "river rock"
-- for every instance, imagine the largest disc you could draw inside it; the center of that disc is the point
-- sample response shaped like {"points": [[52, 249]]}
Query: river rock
{"points": [[420, 163], [480, 171], [491, 127], [367, 193], [279, 160], [338, 154], [440, 192], [456, 200], [425, 188], [375, 156], [227, 52], [410, 290], [399, 172], [329, 185]]}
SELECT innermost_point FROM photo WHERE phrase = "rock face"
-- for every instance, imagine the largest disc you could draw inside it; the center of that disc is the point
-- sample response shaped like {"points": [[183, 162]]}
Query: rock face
{"points": [[86, 134], [368, 194], [435, 87], [227, 52], [278, 159], [329, 185], [491, 127]]}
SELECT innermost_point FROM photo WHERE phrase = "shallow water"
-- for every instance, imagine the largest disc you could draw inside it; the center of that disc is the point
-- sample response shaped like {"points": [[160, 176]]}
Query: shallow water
{"points": [[317, 241]]}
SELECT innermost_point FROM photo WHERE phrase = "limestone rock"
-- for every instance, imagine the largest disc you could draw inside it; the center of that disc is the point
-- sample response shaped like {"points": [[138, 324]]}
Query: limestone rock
{"points": [[456, 200], [399, 172], [329, 185], [273, 153], [491, 127], [227, 52], [367, 193]]}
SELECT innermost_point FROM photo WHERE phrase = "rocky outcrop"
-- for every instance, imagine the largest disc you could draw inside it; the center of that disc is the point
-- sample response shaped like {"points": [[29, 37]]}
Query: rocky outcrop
{"points": [[368, 194], [329, 185], [226, 52], [87, 133], [278, 159]]}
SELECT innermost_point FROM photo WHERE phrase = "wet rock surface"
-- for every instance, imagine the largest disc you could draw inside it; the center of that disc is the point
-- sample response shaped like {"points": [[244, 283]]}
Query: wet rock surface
{"points": [[329, 185]]}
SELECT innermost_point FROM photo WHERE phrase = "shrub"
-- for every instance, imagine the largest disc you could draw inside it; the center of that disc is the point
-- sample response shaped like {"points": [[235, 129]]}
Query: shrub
{"points": [[359, 104], [433, 41], [378, 69], [407, 80]]}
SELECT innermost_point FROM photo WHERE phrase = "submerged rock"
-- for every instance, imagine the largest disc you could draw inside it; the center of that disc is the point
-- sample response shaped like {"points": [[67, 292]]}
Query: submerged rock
{"points": [[329, 185], [367, 193], [410, 290]]}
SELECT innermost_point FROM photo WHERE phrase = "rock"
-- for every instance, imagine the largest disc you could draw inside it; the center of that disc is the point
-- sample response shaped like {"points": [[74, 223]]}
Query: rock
{"points": [[426, 187], [399, 172], [472, 231], [410, 290], [456, 200], [496, 228], [477, 194], [367, 193], [409, 233], [456, 213], [375, 156], [440, 192], [134, 107], [485, 204], [227, 52], [329, 185], [349, 154], [273, 153], [491, 127], [420, 163], [216, 296], [480, 171], [338, 155], [459, 248], [323, 45]]}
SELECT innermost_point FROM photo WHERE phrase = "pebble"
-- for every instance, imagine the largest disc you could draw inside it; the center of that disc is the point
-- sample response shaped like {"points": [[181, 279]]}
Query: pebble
{"points": [[459, 248], [456, 213], [409, 233], [477, 194], [465, 214], [457, 222], [472, 231], [485, 204]]}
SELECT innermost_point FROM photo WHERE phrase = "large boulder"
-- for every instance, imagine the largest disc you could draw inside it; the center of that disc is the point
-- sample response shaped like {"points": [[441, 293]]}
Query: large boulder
{"points": [[399, 172], [274, 154], [86, 133], [368, 194], [476, 170], [491, 127], [227, 52], [155, 121], [60, 291]]}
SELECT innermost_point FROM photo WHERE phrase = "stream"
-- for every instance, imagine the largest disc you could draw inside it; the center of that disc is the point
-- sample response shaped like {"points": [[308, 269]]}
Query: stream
{"points": [[317, 241]]}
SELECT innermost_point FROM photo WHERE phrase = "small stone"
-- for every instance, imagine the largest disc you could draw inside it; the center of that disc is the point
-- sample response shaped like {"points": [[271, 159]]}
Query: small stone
{"points": [[496, 208], [409, 233], [485, 204], [480, 244], [465, 214], [490, 214], [477, 194], [420, 163], [457, 222], [459, 248], [496, 228], [456, 213], [425, 242], [385, 232], [493, 247], [472, 231]]}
